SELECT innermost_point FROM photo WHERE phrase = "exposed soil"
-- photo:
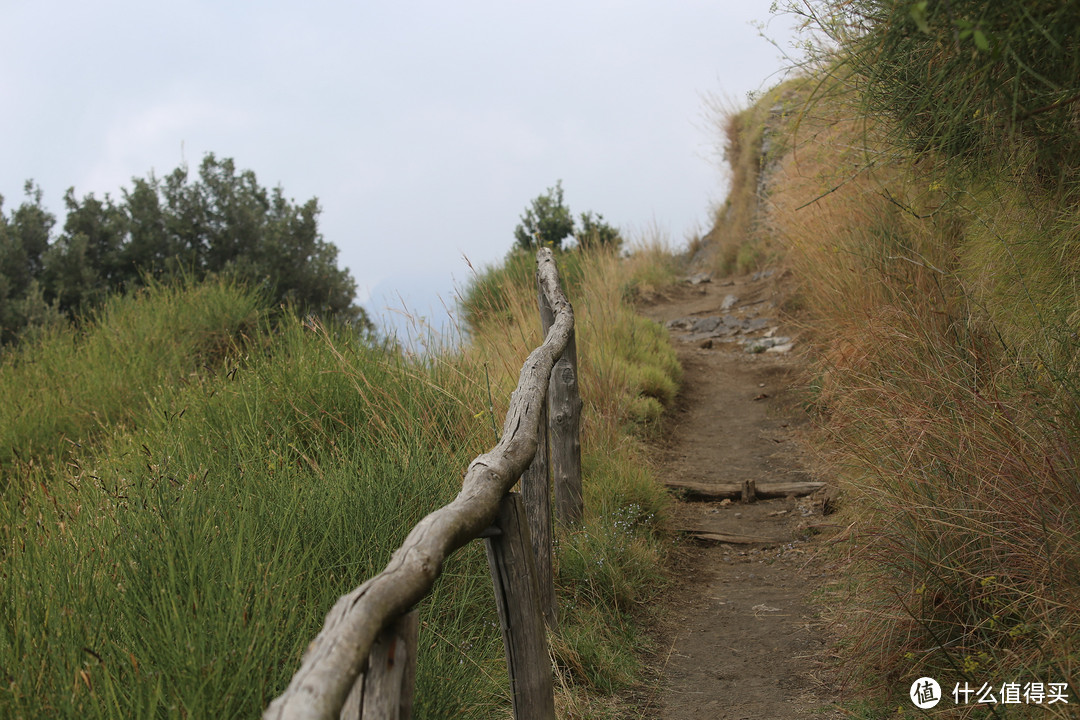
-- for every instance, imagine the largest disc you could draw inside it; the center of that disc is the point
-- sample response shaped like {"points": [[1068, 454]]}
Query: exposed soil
{"points": [[743, 640]]}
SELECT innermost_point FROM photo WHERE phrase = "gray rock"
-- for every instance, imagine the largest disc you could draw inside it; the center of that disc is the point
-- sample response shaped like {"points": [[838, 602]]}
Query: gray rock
{"points": [[699, 278], [760, 345], [679, 324], [752, 324], [729, 302], [706, 324]]}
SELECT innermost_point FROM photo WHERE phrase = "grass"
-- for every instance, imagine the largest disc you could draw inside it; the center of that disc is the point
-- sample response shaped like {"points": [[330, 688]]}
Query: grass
{"points": [[942, 314], [66, 388], [230, 477], [193, 555], [750, 142], [976, 85], [610, 569]]}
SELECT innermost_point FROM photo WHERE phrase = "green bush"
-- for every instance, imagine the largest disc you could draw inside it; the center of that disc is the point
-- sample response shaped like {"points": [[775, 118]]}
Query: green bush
{"points": [[975, 82]]}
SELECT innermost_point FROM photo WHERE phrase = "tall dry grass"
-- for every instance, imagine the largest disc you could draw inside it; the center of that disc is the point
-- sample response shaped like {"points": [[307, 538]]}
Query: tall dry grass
{"points": [[944, 380]]}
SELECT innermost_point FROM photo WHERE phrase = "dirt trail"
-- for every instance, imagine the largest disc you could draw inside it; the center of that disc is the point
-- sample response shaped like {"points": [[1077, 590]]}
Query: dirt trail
{"points": [[743, 641]]}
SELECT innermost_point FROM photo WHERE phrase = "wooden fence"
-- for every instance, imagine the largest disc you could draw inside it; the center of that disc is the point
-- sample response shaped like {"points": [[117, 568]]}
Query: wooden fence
{"points": [[362, 663]]}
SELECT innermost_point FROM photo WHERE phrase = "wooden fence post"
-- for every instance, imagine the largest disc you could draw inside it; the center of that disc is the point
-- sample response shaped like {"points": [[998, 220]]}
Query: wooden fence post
{"points": [[536, 489], [564, 427], [385, 690], [513, 573]]}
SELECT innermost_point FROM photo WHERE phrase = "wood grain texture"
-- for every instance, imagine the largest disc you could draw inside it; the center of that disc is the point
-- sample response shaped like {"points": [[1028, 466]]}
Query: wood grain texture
{"points": [[536, 491], [385, 690], [564, 426], [517, 596], [339, 652], [564, 437], [731, 538]]}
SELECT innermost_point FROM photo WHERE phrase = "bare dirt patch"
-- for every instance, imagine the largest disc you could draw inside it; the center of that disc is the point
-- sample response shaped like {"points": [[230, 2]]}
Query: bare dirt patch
{"points": [[743, 640]]}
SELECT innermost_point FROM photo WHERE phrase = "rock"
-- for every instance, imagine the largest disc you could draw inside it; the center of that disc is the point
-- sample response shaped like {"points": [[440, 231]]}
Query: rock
{"points": [[729, 302], [679, 324], [752, 324], [760, 345], [762, 275], [699, 278], [705, 324], [786, 347]]}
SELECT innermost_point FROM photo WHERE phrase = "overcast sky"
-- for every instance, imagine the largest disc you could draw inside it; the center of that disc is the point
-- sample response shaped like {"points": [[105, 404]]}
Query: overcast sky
{"points": [[424, 128]]}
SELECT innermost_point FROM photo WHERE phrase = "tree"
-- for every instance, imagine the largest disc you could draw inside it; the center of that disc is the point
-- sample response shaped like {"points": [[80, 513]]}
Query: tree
{"points": [[220, 221], [547, 221], [595, 233], [24, 242], [24, 239], [226, 222], [85, 264], [149, 248]]}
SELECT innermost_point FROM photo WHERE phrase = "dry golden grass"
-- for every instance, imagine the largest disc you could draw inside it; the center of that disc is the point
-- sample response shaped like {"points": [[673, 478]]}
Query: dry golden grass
{"points": [[943, 385], [608, 569]]}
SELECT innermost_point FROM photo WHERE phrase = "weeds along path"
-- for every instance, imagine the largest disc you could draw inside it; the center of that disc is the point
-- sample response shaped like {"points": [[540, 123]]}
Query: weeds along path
{"points": [[742, 640]]}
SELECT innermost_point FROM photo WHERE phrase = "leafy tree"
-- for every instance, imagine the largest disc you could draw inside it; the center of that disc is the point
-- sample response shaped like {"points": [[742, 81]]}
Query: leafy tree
{"points": [[219, 221], [594, 232], [24, 241], [547, 221], [85, 264], [226, 222], [150, 247]]}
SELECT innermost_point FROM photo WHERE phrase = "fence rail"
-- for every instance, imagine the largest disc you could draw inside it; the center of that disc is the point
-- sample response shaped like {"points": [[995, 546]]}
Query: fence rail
{"points": [[361, 663]]}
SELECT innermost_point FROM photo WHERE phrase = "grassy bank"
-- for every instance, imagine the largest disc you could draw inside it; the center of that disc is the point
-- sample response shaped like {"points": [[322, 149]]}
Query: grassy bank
{"points": [[608, 570], [189, 486], [938, 281]]}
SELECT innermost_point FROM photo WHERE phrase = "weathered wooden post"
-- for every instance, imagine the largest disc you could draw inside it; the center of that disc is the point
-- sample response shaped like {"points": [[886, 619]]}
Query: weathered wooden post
{"points": [[564, 425], [513, 572], [536, 489], [385, 690], [564, 437]]}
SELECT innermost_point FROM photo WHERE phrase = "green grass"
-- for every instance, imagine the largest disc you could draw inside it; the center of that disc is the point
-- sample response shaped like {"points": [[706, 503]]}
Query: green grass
{"points": [[976, 85], [65, 389], [230, 477], [192, 557]]}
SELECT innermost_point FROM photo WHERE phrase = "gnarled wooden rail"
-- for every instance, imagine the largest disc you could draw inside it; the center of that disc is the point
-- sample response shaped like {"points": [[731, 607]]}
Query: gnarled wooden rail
{"points": [[339, 653]]}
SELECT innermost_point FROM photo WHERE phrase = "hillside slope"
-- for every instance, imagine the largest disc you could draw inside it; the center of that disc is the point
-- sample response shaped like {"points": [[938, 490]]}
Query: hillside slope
{"points": [[938, 297], [191, 479]]}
